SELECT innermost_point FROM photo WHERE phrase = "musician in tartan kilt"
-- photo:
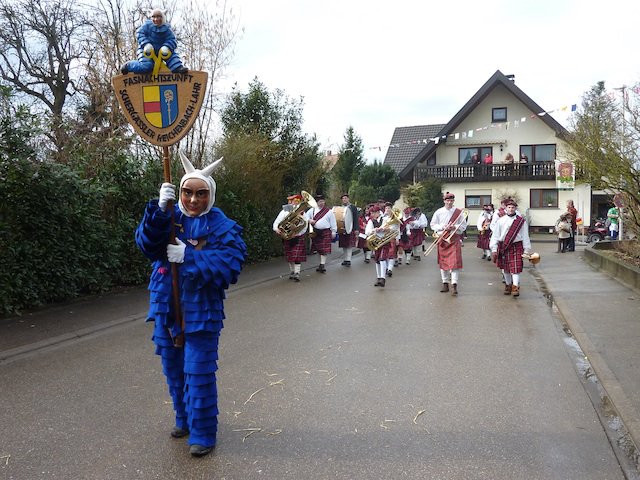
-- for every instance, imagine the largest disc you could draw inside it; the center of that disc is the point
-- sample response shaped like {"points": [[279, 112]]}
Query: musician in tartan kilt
{"points": [[509, 241], [347, 241], [447, 221], [404, 242], [484, 230], [383, 255], [294, 248], [418, 236], [323, 221]]}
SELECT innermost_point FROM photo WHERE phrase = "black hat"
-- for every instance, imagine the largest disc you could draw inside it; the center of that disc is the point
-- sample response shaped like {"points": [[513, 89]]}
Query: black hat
{"points": [[319, 197]]}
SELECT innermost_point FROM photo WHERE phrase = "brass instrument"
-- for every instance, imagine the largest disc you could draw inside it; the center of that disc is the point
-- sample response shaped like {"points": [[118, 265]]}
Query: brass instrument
{"points": [[447, 237], [374, 242], [294, 223]]}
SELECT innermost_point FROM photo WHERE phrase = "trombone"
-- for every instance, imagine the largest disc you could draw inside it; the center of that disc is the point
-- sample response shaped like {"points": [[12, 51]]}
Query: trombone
{"points": [[448, 236]]}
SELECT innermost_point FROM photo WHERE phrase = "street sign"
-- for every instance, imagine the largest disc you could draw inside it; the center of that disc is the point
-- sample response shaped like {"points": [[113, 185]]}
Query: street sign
{"points": [[618, 201]]}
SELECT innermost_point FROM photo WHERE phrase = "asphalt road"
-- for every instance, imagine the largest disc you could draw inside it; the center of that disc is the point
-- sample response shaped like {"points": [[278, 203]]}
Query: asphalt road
{"points": [[330, 378]]}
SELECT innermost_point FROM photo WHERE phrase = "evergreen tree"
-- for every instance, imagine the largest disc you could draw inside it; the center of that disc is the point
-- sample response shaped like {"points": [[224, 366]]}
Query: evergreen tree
{"points": [[350, 161]]}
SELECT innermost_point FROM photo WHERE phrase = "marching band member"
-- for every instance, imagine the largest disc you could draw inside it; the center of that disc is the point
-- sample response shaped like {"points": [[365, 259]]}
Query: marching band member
{"points": [[383, 254], [347, 241], [417, 232], [323, 221], [497, 216], [362, 237], [446, 220], [484, 230], [510, 240], [393, 244], [404, 242], [295, 248]]}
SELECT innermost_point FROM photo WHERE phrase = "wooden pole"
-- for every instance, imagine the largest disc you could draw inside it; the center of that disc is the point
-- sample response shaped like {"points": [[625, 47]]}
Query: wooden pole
{"points": [[178, 340]]}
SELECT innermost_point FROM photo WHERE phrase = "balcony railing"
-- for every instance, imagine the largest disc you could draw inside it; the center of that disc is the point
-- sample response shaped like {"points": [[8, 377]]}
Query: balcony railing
{"points": [[488, 173]]}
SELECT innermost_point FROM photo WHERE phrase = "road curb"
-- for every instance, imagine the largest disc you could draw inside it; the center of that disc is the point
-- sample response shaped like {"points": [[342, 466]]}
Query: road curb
{"points": [[608, 381], [13, 354]]}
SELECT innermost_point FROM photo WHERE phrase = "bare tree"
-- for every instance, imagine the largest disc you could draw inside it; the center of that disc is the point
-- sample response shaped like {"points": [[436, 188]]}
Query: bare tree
{"points": [[40, 46], [207, 31]]}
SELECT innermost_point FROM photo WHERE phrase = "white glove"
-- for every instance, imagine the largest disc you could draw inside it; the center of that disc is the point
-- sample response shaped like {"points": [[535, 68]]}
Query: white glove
{"points": [[167, 192], [175, 253], [148, 49], [165, 52]]}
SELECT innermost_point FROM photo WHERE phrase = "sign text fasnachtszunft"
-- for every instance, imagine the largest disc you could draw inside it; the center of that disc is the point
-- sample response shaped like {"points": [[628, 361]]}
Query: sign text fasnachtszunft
{"points": [[163, 108]]}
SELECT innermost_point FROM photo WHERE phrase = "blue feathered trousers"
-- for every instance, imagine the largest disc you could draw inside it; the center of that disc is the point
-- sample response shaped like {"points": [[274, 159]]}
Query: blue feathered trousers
{"points": [[191, 377]]}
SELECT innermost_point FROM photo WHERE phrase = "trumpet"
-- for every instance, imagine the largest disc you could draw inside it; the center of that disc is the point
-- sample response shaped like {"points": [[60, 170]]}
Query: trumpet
{"points": [[448, 236], [374, 242], [294, 223]]}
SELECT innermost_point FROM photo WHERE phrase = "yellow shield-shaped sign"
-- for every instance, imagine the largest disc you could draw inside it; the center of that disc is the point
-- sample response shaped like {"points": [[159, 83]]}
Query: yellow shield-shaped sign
{"points": [[161, 108]]}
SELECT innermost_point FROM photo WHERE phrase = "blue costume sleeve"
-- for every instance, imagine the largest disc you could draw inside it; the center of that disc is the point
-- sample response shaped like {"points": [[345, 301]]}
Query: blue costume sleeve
{"points": [[152, 235], [219, 263]]}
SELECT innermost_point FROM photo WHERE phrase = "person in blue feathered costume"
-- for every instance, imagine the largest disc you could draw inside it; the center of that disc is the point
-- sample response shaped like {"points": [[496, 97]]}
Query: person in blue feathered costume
{"points": [[209, 254], [155, 36]]}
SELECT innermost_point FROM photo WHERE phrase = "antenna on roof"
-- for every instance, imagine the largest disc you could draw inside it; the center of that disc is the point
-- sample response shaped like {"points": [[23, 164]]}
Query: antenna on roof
{"points": [[511, 77]]}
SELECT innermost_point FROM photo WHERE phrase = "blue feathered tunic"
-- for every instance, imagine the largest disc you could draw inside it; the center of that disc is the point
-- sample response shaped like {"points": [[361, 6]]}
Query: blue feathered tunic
{"points": [[214, 255]]}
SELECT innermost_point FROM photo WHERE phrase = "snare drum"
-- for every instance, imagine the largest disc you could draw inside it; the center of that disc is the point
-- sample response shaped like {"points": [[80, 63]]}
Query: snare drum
{"points": [[344, 219]]}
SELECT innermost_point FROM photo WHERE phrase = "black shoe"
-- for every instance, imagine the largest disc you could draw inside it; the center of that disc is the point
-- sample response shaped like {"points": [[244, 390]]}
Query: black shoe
{"points": [[181, 70], [344, 263], [389, 273], [124, 70], [418, 258], [348, 264], [382, 282], [377, 284], [291, 276], [199, 450], [296, 277], [366, 260], [321, 269], [178, 432]]}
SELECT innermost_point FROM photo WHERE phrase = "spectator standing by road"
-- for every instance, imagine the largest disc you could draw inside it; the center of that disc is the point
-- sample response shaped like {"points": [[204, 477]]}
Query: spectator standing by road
{"points": [[571, 210], [563, 229], [613, 217]]}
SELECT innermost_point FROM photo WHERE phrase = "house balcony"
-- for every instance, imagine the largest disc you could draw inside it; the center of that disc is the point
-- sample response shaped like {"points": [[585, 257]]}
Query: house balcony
{"points": [[488, 173]]}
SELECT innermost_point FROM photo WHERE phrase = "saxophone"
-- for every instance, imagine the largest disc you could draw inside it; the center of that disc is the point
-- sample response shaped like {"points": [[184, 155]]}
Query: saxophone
{"points": [[374, 242], [294, 223]]}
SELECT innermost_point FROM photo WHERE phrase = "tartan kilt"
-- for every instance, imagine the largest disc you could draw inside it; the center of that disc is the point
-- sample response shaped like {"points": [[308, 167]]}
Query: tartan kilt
{"points": [[384, 253], [347, 240], [362, 243], [511, 259], [405, 242], [322, 241], [295, 249], [417, 237], [450, 254], [483, 240]]}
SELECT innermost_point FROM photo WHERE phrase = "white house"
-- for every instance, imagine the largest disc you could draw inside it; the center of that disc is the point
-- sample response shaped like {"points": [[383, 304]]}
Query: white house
{"points": [[500, 119]]}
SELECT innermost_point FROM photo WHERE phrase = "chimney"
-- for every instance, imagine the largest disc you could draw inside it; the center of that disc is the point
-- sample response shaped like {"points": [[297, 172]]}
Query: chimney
{"points": [[511, 77]]}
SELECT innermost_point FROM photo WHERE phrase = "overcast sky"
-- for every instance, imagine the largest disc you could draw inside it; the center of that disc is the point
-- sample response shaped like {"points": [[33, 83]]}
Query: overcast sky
{"points": [[378, 65]]}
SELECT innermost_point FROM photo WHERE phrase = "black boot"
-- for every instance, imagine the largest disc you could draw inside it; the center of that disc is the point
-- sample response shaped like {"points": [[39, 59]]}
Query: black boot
{"points": [[445, 288], [199, 450]]}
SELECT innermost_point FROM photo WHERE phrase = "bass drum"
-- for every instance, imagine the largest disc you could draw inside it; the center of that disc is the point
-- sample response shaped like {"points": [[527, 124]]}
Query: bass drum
{"points": [[344, 219]]}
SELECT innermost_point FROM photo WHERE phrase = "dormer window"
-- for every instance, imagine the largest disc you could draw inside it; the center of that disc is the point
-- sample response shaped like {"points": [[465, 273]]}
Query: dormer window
{"points": [[499, 114]]}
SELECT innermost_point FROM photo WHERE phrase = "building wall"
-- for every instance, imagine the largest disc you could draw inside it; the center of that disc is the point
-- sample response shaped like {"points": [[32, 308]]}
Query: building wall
{"points": [[539, 218], [532, 131]]}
